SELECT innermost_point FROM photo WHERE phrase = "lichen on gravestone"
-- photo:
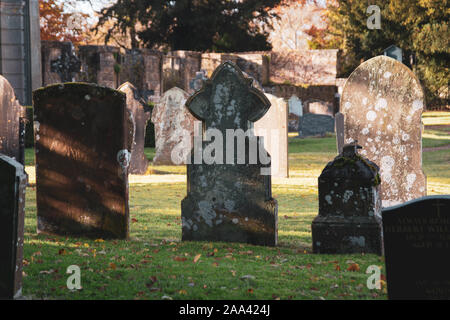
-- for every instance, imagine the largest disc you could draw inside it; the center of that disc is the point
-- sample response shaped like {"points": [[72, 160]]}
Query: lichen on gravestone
{"points": [[382, 103], [349, 219], [229, 200]]}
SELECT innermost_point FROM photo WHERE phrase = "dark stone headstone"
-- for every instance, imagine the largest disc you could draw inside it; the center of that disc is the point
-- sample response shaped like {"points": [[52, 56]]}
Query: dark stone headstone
{"points": [[349, 219], [417, 248], [13, 181], [315, 125], [10, 113], [140, 113], [83, 145], [230, 201]]}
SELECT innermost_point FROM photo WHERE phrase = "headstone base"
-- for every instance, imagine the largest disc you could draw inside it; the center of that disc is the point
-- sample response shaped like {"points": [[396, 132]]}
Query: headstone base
{"points": [[260, 228], [337, 234]]}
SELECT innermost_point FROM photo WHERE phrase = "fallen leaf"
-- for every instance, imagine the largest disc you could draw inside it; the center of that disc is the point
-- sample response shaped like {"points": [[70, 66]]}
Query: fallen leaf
{"points": [[112, 265], [197, 257], [353, 267], [62, 252], [180, 259]]}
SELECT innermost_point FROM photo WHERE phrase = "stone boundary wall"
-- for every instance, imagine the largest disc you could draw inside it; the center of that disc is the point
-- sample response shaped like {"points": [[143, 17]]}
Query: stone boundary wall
{"points": [[153, 72]]}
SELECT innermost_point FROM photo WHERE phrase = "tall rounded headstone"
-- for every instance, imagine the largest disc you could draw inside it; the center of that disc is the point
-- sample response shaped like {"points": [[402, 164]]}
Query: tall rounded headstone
{"points": [[273, 127], [174, 128], [10, 113], [382, 102], [139, 117]]}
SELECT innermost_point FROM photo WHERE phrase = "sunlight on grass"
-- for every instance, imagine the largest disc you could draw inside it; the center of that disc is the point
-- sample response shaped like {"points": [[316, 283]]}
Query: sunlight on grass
{"points": [[155, 262]]}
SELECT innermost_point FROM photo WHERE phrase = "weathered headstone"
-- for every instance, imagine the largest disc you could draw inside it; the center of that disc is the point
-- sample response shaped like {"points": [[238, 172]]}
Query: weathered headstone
{"points": [[339, 125], [229, 199], [349, 219], [13, 181], [83, 144], [273, 127], [311, 124], [174, 128], [382, 103], [394, 52], [417, 248], [196, 83], [10, 113], [140, 115], [295, 112]]}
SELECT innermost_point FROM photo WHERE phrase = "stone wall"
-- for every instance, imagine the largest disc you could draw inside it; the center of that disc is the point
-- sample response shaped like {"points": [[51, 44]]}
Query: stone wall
{"points": [[304, 66], [153, 72]]}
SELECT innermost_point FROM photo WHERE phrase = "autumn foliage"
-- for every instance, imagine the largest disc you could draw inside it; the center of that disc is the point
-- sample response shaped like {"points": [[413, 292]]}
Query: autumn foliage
{"points": [[58, 25]]}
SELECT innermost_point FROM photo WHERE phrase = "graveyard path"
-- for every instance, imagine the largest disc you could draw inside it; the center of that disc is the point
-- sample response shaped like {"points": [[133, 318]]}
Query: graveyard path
{"points": [[446, 147]]}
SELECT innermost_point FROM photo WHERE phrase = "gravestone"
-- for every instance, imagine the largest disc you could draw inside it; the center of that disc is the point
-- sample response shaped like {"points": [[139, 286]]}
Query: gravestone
{"points": [[311, 124], [174, 128], [382, 103], [10, 114], [273, 127], [196, 83], [394, 52], [295, 112], [230, 196], [319, 107], [349, 219], [339, 125], [13, 182], [140, 114], [417, 248], [82, 145]]}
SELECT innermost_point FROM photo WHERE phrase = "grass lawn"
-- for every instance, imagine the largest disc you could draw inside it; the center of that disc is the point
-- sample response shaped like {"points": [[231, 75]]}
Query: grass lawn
{"points": [[154, 263]]}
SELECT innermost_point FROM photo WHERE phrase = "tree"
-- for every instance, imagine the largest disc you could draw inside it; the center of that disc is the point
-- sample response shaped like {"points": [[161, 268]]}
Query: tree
{"points": [[200, 25], [294, 19], [57, 25], [419, 27]]}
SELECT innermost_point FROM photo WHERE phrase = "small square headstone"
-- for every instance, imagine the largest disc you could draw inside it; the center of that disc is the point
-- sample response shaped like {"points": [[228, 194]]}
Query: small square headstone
{"points": [[417, 248]]}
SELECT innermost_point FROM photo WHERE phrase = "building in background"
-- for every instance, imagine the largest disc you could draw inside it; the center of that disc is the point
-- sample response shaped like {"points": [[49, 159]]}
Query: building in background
{"points": [[20, 46]]}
